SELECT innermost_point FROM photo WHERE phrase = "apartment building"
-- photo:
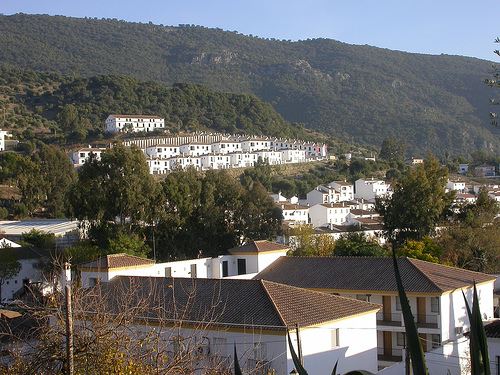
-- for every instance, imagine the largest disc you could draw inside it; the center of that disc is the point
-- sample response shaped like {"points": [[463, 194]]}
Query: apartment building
{"points": [[116, 123]]}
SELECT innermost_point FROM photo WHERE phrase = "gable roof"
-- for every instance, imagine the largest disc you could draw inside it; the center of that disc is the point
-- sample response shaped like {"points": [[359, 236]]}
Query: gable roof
{"points": [[258, 247], [368, 274], [228, 302], [120, 260]]}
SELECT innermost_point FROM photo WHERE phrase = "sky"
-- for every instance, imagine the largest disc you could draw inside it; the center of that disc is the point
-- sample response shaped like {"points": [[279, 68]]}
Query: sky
{"points": [[459, 27]]}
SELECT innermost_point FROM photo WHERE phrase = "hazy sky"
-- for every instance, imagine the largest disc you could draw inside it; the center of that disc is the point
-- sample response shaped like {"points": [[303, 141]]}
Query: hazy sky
{"points": [[459, 27]]}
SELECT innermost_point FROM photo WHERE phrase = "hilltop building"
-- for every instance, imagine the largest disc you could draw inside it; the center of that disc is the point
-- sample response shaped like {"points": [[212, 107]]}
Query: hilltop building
{"points": [[133, 123]]}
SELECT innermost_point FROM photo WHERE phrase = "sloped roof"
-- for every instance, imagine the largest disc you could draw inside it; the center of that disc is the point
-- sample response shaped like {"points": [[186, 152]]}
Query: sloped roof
{"points": [[120, 260], [228, 302], [259, 247], [492, 329], [368, 273], [136, 116]]}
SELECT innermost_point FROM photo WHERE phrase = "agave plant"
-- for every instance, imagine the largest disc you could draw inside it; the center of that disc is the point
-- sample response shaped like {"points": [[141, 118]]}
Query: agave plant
{"points": [[237, 368], [478, 344]]}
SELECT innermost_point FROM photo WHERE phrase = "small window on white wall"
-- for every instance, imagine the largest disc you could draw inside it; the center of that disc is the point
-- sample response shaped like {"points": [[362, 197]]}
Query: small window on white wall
{"points": [[435, 304], [400, 339], [398, 304], [335, 339], [436, 341]]}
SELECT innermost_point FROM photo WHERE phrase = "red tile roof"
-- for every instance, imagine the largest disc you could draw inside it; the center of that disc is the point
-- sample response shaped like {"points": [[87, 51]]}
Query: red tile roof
{"points": [[117, 261], [259, 247]]}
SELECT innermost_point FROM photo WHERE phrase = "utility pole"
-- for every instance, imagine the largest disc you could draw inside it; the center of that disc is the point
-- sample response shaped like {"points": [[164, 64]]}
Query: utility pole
{"points": [[69, 319], [299, 347]]}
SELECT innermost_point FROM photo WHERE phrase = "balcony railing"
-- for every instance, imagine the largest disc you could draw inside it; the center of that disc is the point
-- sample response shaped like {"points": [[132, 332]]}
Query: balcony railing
{"points": [[396, 320], [390, 355]]}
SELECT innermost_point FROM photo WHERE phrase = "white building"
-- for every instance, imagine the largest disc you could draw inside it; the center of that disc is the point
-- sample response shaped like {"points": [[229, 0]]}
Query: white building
{"points": [[226, 147], [345, 189], [495, 195], [492, 330], [293, 156], [271, 157], [162, 151], [255, 144], [294, 214], [254, 314], [158, 165], [195, 149], [370, 189], [133, 123], [80, 156], [241, 159], [456, 185], [183, 162], [216, 161], [322, 194], [278, 198], [463, 168], [434, 292], [324, 214], [3, 134]]}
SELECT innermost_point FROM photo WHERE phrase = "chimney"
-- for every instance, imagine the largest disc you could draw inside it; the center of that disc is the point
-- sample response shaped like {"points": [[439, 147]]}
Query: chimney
{"points": [[66, 275]]}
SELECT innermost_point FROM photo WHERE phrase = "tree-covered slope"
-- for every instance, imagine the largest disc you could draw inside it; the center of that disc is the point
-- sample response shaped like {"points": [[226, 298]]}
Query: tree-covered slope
{"points": [[359, 93], [77, 107]]}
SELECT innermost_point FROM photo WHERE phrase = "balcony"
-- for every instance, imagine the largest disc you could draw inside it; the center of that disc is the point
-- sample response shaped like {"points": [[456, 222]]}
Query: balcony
{"points": [[389, 354], [396, 320]]}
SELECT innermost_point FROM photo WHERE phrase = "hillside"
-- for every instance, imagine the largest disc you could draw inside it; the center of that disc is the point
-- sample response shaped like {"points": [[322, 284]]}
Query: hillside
{"points": [[358, 93], [75, 108]]}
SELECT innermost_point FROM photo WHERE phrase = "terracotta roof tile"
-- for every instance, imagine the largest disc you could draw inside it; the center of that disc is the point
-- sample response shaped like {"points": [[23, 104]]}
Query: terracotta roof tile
{"points": [[368, 273], [117, 261], [259, 246], [229, 302]]}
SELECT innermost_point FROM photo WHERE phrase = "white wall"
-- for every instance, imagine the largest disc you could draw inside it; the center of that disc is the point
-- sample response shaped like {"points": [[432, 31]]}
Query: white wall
{"points": [[30, 270]]}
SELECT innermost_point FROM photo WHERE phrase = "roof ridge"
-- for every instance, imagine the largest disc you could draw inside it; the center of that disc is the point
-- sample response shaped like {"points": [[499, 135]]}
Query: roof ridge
{"points": [[263, 283], [444, 265], [409, 260]]}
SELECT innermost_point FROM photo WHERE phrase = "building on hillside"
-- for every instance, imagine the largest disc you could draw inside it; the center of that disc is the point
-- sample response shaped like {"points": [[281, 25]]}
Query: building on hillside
{"points": [[463, 168], [434, 292], [66, 232], [492, 330], [456, 185], [278, 198], [345, 190], [293, 156], [355, 214], [322, 215], [226, 146], [294, 214], [195, 149], [159, 166], [414, 161], [370, 188], [271, 157], [495, 195], [484, 171], [322, 194], [243, 262], [133, 123], [80, 156], [162, 151], [254, 315], [241, 159], [253, 144], [216, 161], [3, 134], [184, 162]]}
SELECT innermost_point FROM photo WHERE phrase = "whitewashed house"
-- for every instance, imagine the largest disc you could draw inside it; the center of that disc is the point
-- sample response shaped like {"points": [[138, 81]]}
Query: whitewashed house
{"points": [[492, 330], [255, 144], [158, 165], [434, 292], [293, 156], [216, 161], [226, 146], [183, 162], [345, 190], [322, 194], [370, 188], [324, 214], [254, 314], [3, 134], [456, 185], [278, 198], [195, 149], [271, 157], [162, 151], [242, 159], [133, 123], [494, 194], [80, 156], [294, 214]]}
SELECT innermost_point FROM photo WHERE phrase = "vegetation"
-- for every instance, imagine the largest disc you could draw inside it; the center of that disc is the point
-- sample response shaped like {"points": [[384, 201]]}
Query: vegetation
{"points": [[357, 93], [9, 267]]}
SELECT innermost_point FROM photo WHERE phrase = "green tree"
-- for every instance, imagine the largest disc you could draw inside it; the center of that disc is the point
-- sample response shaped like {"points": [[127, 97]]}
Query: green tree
{"points": [[130, 244], [261, 173], [9, 267], [358, 244], [417, 204], [39, 240], [427, 250], [307, 243], [392, 150]]}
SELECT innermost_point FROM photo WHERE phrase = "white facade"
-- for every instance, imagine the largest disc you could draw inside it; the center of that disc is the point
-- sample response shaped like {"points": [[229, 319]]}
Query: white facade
{"points": [[458, 186], [195, 149], [294, 213], [346, 190], [162, 151], [322, 215], [31, 271], [133, 123], [293, 156], [79, 157], [370, 189], [159, 166], [322, 194], [271, 157], [183, 162], [219, 161], [226, 147], [255, 144], [3, 134], [240, 159]]}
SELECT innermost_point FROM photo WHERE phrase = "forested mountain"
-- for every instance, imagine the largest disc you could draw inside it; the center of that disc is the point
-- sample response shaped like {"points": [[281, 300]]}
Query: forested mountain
{"points": [[73, 109], [359, 93]]}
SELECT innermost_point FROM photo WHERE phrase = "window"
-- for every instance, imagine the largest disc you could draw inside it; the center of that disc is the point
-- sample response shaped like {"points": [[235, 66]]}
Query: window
{"points": [[435, 304], [436, 341], [400, 339], [362, 297], [398, 304], [334, 337], [193, 270], [498, 365], [82, 154]]}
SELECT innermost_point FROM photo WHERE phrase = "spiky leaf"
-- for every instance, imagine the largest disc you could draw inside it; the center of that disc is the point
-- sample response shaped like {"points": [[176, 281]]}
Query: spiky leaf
{"points": [[334, 371], [237, 368], [296, 361]]}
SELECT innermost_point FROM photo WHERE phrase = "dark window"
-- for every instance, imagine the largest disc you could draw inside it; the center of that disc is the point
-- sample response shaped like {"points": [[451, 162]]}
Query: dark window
{"points": [[168, 271], [225, 271], [193, 270], [242, 266]]}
